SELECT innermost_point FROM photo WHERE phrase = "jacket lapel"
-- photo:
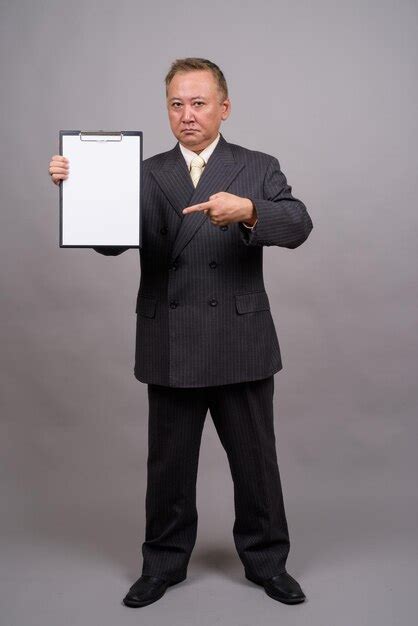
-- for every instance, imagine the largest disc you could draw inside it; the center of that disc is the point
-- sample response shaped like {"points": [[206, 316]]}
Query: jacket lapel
{"points": [[174, 180]]}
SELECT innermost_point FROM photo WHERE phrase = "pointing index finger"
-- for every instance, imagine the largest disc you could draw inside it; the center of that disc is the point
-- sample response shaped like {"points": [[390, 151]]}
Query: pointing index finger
{"points": [[203, 206]]}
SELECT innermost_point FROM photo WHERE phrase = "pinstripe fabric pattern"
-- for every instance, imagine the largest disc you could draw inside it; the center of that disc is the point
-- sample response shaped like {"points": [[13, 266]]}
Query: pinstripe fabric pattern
{"points": [[206, 340], [203, 315], [243, 417]]}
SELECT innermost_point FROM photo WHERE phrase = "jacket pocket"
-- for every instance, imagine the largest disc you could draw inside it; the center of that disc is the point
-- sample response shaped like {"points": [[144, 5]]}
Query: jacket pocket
{"points": [[254, 301], [146, 306]]}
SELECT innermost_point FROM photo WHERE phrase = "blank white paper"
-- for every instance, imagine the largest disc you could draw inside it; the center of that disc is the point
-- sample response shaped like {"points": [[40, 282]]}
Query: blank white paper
{"points": [[101, 196]]}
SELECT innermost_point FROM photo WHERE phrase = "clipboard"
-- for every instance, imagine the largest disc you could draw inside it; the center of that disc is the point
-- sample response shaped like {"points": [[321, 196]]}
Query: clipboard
{"points": [[100, 201]]}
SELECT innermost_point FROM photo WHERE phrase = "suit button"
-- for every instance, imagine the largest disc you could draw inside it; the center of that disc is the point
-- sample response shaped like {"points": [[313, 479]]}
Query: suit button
{"points": [[213, 302], [173, 304], [213, 264], [164, 230], [225, 227], [173, 266]]}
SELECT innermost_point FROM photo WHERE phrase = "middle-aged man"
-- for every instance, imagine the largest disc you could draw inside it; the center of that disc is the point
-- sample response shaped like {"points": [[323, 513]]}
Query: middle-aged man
{"points": [[205, 337]]}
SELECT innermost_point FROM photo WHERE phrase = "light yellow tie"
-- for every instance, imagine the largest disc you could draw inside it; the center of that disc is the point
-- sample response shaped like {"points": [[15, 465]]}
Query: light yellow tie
{"points": [[196, 167]]}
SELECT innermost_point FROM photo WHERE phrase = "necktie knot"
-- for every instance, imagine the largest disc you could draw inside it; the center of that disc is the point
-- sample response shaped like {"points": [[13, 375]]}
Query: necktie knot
{"points": [[197, 161], [196, 167]]}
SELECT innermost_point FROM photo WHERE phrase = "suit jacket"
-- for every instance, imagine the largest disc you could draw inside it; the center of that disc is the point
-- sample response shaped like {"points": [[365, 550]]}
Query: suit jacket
{"points": [[203, 314]]}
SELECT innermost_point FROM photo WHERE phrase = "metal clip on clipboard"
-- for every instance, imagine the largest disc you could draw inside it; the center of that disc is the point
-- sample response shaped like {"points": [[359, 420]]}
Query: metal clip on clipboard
{"points": [[91, 135]]}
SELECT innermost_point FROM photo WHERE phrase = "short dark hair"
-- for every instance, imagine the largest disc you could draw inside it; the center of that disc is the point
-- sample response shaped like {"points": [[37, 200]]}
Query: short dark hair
{"points": [[190, 64]]}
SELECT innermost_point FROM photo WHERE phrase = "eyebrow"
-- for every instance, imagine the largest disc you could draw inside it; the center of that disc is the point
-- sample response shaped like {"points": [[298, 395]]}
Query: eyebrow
{"points": [[193, 98]]}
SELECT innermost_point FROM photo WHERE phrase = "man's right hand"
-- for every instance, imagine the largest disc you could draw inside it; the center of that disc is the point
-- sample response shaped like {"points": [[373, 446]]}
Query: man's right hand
{"points": [[58, 168]]}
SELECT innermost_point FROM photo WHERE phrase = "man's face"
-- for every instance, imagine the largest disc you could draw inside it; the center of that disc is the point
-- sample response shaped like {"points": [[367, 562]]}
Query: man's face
{"points": [[196, 108]]}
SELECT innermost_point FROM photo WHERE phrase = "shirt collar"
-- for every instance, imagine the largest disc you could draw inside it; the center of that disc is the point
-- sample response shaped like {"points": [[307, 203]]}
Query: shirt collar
{"points": [[205, 154]]}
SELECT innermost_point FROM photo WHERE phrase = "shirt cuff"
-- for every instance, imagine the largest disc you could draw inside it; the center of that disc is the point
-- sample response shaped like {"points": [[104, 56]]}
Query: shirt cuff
{"points": [[250, 227]]}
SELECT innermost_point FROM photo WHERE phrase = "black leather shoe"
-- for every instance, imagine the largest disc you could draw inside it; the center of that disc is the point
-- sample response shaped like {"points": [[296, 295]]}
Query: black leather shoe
{"points": [[282, 587], [148, 589]]}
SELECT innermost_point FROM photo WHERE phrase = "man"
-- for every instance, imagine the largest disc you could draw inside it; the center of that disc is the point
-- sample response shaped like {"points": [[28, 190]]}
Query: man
{"points": [[205, 337]]}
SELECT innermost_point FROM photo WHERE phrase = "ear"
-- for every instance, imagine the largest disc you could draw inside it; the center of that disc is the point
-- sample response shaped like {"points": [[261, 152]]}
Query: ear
{"points": [[226, 108]]}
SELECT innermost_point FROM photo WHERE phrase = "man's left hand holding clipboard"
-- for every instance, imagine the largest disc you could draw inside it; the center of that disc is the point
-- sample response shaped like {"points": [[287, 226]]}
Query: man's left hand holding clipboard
{"points": [[59, 168]]}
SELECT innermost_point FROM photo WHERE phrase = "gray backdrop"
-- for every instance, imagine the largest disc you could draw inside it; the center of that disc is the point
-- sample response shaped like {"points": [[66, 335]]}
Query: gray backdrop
{"points": [[330, 90]]}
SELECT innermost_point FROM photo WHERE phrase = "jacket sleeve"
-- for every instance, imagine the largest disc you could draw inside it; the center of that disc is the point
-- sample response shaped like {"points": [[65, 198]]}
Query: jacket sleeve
{"points": [[282, 219], [111, 250]]}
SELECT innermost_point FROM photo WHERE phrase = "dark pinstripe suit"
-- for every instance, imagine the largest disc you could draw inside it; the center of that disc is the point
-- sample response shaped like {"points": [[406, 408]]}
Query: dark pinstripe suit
{"points": [[206, 339]]}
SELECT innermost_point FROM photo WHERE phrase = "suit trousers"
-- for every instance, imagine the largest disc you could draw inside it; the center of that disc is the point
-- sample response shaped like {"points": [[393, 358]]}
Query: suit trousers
{"points": [[243, 417]]}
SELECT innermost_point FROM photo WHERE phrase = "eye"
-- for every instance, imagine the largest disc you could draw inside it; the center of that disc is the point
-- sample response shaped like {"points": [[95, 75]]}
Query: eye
{"points": [[176, 105], [199, 102]]}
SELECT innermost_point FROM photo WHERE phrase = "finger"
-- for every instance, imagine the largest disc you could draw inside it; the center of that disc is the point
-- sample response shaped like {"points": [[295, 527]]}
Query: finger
{"points": [[59, 157], [58, 177], [61, 164], [59, 174], [55, 169], [197, 207]]}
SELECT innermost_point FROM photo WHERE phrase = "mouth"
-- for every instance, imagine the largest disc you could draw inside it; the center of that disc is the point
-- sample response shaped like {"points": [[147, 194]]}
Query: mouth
{"points": [[189, 130]]}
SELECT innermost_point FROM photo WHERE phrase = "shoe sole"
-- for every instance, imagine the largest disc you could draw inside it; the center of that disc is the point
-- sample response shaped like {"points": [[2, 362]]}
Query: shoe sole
{"points": [[284, 600], [134, 605]]}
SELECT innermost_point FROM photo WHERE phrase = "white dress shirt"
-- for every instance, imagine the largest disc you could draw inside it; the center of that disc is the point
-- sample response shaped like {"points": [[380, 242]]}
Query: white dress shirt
{"points": [[205, 154]]}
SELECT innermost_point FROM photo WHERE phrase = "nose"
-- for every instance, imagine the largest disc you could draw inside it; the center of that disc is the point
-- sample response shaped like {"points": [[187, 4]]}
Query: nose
{"points": [[188, 114]]}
